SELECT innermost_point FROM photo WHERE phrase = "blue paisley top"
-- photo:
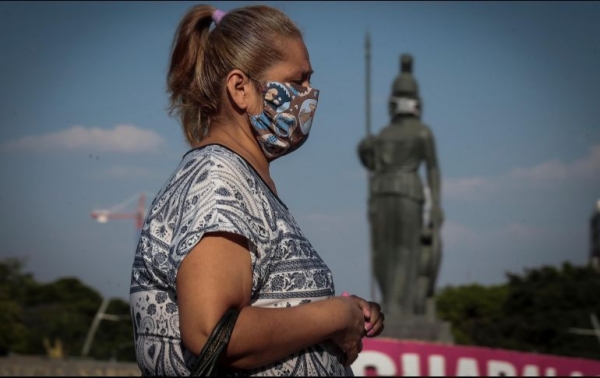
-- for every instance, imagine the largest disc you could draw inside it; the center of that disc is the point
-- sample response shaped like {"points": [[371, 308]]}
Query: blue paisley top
{"points": [[214, 189]]}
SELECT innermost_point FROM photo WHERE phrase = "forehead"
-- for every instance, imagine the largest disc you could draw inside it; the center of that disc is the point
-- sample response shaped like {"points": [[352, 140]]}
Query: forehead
{"points": [[296, 53], [295, 58]]}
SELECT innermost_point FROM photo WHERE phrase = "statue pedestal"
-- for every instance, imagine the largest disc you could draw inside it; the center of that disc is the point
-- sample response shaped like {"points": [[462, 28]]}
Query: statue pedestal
{"points": [[416, 327]]}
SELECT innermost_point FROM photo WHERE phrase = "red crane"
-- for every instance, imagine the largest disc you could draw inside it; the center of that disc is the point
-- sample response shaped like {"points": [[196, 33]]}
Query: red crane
{"points": [[103, 215]]}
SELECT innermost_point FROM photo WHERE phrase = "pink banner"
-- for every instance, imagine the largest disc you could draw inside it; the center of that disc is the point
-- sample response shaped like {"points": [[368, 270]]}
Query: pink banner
{"points": [[390, 357]]}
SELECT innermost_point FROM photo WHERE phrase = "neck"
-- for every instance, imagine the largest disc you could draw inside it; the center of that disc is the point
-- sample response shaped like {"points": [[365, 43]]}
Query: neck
{"points": [[237, 136]]}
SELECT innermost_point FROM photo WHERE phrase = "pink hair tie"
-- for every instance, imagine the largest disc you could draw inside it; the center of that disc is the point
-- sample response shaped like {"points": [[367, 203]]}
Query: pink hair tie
{"points": [[218, 15]]}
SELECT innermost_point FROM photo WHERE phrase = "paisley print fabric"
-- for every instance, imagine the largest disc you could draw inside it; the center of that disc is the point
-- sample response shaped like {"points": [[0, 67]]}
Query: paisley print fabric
{"points": [[214, 189], [285, 122]]}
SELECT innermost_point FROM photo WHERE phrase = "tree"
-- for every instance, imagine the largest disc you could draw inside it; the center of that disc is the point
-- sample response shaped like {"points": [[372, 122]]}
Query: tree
{"points": [[31, 312], [544, 303], [531, 312], [61, 310], [13, 288], [473, 310]]}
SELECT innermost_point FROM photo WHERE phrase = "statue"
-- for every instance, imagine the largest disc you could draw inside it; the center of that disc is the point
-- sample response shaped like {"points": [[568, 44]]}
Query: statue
{"points": [[54, 350], [406, 253], [594, 260]]}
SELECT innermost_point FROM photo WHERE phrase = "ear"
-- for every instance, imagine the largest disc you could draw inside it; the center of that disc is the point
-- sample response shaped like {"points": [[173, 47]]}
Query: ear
{"points": [[240, 90]]}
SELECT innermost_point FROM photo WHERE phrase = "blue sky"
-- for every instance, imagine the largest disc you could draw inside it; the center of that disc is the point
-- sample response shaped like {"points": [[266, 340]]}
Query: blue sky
{"points": [[510, 90]]}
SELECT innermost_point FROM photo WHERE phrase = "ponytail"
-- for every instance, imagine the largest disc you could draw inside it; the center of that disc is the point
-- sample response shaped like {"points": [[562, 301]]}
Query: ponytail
{"points": [[187, 57]]}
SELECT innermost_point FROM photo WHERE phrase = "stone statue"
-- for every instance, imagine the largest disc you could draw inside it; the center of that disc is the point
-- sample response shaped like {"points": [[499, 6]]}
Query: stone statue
{"points": [[594, 260], [406, 253]]}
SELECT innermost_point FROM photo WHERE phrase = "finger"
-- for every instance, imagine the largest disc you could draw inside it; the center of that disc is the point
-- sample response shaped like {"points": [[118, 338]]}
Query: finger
{"points": [[368, 327], [375, 312], [364, 306], [350, 358], [377, 328]]}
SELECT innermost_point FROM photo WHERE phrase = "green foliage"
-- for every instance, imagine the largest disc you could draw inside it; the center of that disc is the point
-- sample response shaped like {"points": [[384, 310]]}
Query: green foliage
{"points": [[533, 312], [13, 287], [114, 339], [61, 310], [470, 309], [12, 328]]}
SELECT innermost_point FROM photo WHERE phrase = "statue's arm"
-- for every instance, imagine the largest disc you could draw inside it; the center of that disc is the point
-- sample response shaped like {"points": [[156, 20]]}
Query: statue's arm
{"points": [[433, 178], [366, 152]]}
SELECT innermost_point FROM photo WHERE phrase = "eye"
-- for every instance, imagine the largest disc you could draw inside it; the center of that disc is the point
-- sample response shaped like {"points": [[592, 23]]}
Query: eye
{"points": [[303, 82]]}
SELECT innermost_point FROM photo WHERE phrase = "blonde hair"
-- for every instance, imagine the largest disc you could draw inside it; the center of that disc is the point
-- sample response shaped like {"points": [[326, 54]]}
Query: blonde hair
{"points": [[246, 38]]}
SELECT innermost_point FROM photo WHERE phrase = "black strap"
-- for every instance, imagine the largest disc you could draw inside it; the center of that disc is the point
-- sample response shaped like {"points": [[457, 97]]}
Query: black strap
{"points": [[215, 345]]}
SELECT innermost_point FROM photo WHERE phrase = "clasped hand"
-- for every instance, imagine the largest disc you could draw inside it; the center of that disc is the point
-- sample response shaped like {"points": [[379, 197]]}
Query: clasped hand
{"points": [[364, 319]]}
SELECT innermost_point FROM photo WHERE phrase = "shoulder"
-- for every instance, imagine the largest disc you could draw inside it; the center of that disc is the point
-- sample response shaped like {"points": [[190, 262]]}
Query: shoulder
{"points": [[225, 181], [214, 157], [209, 192], [213, 166], [202, 179]]}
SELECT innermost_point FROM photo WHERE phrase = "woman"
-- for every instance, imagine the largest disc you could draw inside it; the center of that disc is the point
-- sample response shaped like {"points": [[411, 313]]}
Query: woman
{"points": [[217, 235]]}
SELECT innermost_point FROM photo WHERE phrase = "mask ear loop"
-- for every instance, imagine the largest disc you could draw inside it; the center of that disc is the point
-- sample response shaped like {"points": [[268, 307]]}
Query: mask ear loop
{"points": [[259, 87], [258, 84]]}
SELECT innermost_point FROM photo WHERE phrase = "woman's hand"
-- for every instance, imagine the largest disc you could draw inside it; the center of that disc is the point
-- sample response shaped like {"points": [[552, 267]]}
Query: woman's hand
{"points": [[373, 317], [349, 338], [374, 323]]}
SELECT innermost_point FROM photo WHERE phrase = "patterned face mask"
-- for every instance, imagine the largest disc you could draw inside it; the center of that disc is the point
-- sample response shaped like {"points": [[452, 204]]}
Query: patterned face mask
{"points": [[285, 122]]}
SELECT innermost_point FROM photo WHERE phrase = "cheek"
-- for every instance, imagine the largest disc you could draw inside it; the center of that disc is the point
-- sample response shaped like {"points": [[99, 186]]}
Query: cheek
{"points": [[255, 106]]}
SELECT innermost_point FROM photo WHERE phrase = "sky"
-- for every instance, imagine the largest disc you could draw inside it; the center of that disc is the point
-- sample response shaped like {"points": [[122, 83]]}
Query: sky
{"points": [[510, 91]]}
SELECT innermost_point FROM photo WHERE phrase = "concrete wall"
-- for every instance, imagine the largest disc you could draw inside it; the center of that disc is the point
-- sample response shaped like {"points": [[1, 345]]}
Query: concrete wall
{"points": [[42, 366]]}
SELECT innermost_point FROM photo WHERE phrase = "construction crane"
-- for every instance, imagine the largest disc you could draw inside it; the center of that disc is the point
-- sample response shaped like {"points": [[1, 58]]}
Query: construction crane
{"points": [[115, 212], [103, 216]]}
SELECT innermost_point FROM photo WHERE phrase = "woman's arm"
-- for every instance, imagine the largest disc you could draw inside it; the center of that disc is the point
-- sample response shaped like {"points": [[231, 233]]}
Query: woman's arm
{"points": [[217, 275]]}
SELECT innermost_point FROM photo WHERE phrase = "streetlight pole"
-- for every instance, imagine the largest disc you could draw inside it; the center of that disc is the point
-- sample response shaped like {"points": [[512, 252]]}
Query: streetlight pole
{"points": [[589, 332], [100, 315]]}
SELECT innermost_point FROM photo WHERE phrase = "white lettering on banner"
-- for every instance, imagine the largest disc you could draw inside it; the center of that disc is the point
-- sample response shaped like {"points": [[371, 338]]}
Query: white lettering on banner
{"points": [[551, 372], [531, 371], [500, 368], [467, 367], [381, 362], [410, 365], [437, 366]]}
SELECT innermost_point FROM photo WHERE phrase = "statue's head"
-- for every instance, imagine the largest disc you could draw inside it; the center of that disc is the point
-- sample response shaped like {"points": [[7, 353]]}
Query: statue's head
{"points": [[405, 100]]}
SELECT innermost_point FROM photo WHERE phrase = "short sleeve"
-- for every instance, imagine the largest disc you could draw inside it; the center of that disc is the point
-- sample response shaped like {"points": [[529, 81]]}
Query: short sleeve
{"points": [[220, 199]]}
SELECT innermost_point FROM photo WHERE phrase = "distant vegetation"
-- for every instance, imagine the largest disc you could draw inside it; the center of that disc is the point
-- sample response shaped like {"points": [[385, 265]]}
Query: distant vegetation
{"points": [[36, 318], [531, 312]]}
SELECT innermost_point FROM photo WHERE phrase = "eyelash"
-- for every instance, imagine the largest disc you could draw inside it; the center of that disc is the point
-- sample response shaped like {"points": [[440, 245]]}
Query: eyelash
{"points": [[301, 81]]}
